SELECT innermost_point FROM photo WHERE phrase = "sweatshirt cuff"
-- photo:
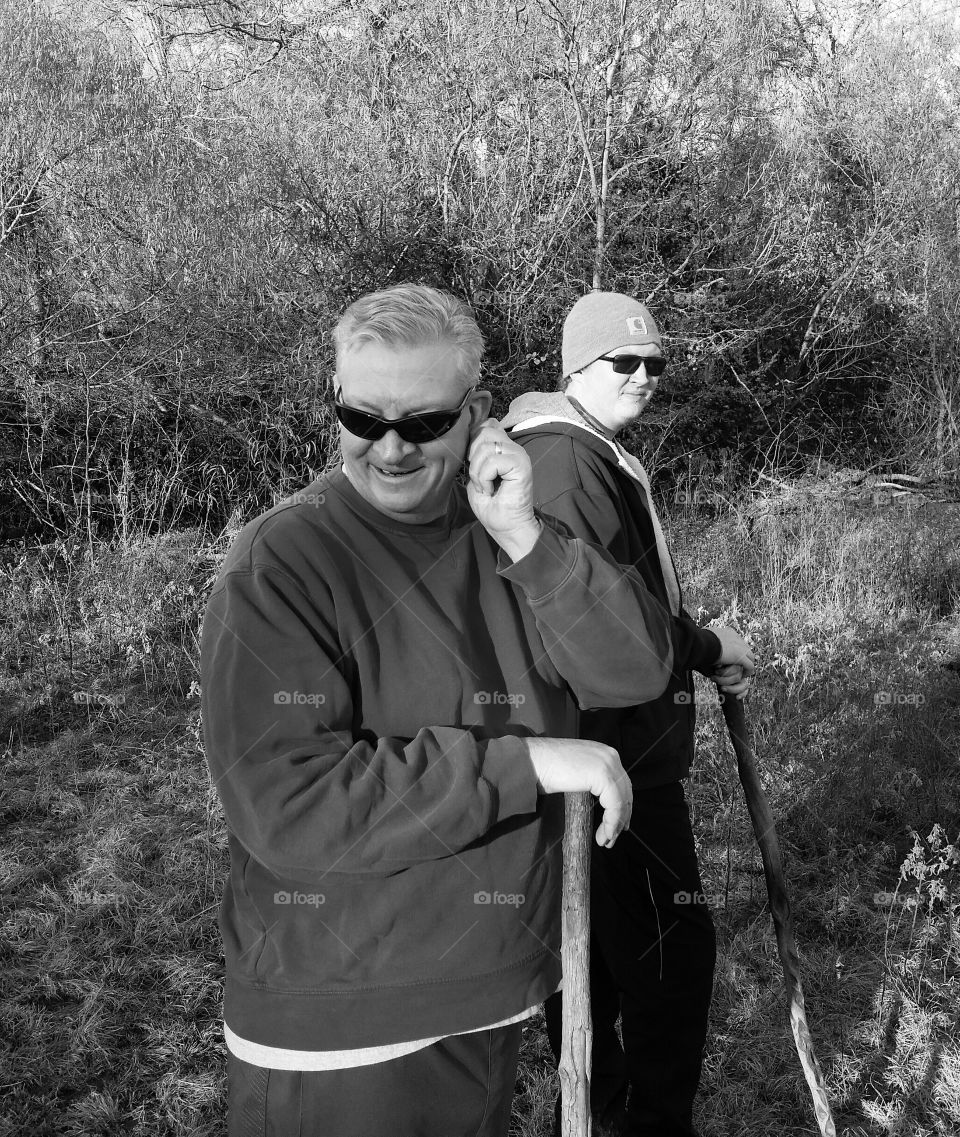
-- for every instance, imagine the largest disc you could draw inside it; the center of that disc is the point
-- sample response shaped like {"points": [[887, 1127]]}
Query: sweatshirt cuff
{"points": [[709, 651], [546, 567], [509, 771]]}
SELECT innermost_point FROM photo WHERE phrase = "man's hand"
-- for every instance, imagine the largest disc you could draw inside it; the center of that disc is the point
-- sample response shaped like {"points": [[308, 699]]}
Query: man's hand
{"points": [[574, 765], [500, 490], [733, 671], [731, 680]]}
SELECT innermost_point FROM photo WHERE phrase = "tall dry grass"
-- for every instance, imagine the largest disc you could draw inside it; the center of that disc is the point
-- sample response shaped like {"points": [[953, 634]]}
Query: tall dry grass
{"points": [[113, 855]]}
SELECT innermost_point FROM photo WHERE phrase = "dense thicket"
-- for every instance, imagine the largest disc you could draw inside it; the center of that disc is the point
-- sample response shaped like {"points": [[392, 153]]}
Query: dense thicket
{"points": [[190, 192]]}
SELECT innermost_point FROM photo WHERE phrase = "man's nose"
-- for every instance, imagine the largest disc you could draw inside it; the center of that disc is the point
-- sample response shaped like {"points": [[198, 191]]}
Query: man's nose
{"points": [[392, 448]]}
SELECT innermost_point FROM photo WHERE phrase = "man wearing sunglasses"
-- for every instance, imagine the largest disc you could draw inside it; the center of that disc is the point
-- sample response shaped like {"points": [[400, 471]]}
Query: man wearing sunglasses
{"points": [[389, 666], [653, 948]]}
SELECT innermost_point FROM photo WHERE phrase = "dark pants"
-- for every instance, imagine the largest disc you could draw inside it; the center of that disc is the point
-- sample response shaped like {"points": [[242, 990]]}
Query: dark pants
{"points": [[652, 956], [460, 1087]]}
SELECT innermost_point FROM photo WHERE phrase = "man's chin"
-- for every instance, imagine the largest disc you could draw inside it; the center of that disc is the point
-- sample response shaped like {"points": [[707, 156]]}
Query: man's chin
{"points": [[635, 410], [409, 502]]}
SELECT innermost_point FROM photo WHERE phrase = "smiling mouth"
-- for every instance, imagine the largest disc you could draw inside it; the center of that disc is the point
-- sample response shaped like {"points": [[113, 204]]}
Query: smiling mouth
{"points": [[396, 475]]}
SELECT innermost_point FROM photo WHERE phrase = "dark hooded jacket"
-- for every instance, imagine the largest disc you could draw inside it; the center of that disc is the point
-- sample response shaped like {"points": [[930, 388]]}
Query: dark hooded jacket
{"points": [[579, 480]]}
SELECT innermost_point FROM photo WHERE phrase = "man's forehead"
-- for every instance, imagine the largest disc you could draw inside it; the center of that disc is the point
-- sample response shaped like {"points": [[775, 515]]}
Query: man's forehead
{"points": [[418, 377]]}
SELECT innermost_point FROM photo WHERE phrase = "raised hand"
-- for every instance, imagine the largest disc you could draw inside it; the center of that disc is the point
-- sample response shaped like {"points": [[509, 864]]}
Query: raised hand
{"points": [[500, 490]]}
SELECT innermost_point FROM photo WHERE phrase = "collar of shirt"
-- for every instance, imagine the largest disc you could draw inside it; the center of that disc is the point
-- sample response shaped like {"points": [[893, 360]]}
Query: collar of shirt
{"points": [[594, 422]]}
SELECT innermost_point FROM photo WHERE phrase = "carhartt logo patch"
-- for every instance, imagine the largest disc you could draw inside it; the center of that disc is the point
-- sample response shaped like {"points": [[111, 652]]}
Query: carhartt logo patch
{"points": [[636, 325]]}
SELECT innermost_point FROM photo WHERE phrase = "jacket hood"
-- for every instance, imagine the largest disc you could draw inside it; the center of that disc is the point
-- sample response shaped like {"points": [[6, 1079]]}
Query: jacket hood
{"points": [[534, 404]]}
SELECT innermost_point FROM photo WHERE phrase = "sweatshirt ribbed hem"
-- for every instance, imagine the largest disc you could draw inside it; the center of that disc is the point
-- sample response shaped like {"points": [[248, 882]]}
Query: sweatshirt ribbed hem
{"points": [[376, 1016]]}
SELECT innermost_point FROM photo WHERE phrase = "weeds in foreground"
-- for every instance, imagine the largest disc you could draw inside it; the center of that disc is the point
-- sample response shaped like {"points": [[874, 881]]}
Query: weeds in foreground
{"points": [[114, 854]]}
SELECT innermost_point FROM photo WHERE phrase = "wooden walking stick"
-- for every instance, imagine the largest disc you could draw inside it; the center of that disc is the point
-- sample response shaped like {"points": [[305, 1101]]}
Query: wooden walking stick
{"points": [[762, 817], [575, 954]]}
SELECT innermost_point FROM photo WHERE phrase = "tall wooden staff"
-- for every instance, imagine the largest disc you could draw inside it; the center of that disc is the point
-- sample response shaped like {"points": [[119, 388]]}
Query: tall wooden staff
{"points": [[575, 953], [762, 817]]}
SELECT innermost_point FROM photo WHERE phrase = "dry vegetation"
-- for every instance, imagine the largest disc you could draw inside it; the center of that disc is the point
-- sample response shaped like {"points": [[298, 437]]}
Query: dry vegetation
{"points": [[114, 851], [191, 190]]}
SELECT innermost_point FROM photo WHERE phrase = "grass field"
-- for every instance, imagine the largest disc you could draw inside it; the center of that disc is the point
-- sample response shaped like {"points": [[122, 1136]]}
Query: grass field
{"points": [[113, 850]]}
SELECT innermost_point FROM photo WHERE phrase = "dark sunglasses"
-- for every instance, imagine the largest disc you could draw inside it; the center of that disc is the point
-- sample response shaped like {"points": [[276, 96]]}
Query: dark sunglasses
{"points": [[413, 428], [628, 364]]}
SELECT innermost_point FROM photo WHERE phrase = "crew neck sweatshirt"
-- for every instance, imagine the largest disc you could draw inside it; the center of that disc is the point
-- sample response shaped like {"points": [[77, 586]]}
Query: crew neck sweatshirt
{"points": [[367, 690]]}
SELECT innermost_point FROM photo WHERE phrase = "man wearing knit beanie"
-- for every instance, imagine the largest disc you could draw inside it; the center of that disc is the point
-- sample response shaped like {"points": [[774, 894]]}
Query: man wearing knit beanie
{"points": [[653, 946]]}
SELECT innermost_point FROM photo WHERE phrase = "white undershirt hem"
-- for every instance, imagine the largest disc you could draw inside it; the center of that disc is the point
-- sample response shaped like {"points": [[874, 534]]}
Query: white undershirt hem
{"points": [[279, 1058]]}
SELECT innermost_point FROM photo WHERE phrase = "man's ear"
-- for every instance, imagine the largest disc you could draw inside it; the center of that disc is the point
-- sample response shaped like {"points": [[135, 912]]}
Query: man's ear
{"points": [[480, 405], [572, 379]]}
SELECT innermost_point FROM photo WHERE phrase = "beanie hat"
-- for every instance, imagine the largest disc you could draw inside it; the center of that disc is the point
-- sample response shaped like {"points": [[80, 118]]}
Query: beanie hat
{"points": [[601, 322]]}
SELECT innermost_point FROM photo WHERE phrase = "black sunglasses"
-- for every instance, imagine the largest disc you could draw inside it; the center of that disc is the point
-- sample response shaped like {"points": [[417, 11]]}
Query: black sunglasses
{"points": [[628, 364], [413, 428]]}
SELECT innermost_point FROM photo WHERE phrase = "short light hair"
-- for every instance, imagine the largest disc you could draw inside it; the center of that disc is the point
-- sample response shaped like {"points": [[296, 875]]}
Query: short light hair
{"points": [[409, 315]]}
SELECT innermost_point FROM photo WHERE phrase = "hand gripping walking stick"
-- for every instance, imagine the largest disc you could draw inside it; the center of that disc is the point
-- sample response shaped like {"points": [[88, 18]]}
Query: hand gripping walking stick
{"points": [[575, 954], [762, 817]]}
